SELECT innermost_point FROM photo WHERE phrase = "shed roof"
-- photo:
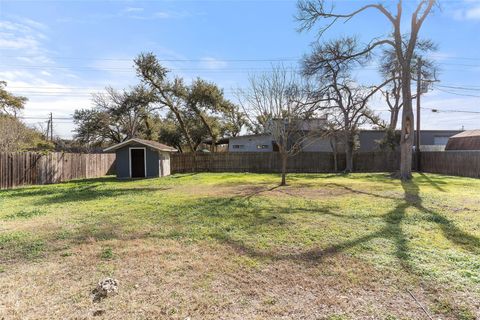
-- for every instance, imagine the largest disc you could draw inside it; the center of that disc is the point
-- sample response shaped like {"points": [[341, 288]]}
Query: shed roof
{"points": [[466, 140], [468, 133], [149, 143]]}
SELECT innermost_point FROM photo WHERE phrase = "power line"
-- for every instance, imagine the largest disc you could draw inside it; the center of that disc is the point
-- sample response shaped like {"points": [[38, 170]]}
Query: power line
{"points": [[456, 93], [167, 60], [452, 111], [452, 86], [459, 88], [46, 118], [295, 58]]}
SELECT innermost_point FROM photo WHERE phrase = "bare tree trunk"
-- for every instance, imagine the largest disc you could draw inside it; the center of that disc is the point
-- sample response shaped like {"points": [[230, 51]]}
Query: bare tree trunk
{"points": [[184, 128], [333, 145], [284, 168], [406, 141], [209, 129], [394, 119], [349, 157], [349, 153]]}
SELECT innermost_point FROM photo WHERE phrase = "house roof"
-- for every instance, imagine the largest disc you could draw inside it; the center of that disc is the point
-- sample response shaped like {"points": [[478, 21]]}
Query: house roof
{"points": [[466, 140], [149, 143], [251, 135], [467, 133]]}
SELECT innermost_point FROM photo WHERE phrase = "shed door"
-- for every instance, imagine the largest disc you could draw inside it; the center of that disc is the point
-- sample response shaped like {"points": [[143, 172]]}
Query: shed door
{"points": [[138, 163]]}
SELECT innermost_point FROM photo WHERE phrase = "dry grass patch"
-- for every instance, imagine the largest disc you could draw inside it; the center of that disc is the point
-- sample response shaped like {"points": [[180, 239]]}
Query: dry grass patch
{"points": [[171, 279], [235, 246]]}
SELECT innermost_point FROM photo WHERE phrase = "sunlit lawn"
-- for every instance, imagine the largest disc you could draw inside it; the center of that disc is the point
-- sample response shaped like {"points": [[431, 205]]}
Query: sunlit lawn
{"points": [[237, 246]]}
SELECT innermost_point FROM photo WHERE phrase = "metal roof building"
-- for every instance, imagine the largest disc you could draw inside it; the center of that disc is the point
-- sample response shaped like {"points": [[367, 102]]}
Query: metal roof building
{"points": [[467, 140]]}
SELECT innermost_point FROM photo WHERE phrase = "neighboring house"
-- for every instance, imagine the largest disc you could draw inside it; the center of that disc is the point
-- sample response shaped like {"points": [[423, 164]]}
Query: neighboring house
{"points": [[429, 139], [307, 125], [138, 158], [251, 143], [466, 140], [266, 143]]}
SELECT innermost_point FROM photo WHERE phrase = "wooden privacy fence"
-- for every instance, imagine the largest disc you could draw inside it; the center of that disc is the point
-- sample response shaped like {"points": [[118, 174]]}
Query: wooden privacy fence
{"points": [[455, 163], [29, 168], [270, 162]]}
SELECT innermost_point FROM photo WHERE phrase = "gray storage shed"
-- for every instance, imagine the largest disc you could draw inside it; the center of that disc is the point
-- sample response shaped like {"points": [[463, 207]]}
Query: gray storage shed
{"points": [[138, 158]]}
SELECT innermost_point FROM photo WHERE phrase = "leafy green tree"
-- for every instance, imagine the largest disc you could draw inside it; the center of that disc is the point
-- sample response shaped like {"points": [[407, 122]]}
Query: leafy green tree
{"points": [[233, 120], [201, 102], [116, 117], [204, 99], [171, 94], [10, 104]]}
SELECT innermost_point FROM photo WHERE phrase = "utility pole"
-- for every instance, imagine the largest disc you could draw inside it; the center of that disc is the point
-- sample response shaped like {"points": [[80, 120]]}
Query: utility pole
{"points": [[51, 126], [419, 92], [48, 129]]}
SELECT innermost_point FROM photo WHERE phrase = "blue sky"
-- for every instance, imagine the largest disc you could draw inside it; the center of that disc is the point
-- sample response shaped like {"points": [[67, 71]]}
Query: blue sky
{"points": [[58, 52]]}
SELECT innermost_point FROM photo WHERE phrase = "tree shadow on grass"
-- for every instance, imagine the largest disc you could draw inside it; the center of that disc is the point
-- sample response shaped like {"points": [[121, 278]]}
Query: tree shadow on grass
{"points": [[370, 194], [183, 175], [436, 183], [391, 231], [449, 229], [92, 193]]}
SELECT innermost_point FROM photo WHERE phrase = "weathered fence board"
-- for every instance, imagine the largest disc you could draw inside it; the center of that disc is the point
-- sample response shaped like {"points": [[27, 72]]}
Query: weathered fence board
{"points": [[270, 162], [29, 168], [459, 163], [455, 163]]}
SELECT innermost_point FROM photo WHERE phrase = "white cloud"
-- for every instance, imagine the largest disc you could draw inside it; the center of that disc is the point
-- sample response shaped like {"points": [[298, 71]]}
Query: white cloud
{"points": [[473, 13], [162, 15], [132, 9], [470, 11], [22, 39], [213, 63], [29, 72]]}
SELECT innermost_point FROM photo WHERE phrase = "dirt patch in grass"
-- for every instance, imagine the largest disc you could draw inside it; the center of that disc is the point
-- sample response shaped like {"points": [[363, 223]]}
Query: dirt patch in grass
{"points": [[267, 190], [175, 280]]}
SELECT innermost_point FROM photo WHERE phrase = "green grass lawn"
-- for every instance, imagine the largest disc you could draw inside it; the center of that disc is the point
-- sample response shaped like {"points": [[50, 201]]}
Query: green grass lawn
{"points": [[238, 246]]}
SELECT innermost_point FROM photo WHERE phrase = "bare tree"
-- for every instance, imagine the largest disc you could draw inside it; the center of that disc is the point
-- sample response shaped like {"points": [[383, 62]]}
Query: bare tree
{"points": [[390, 68], [16, 136], [311, 11], [274, 102], [345, 101]]}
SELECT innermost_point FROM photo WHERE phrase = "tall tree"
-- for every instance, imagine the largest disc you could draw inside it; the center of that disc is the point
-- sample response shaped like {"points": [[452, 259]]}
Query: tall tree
{"points": [[311, 11], [116, 116], [338, 93], [276, 102], [390, 68], [171, 94], [10, 104], [206, 99], [233, 119]]}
